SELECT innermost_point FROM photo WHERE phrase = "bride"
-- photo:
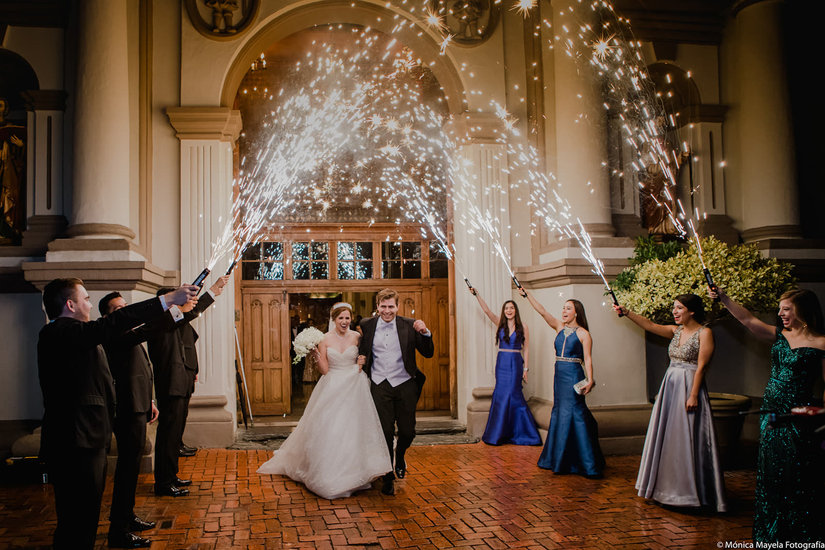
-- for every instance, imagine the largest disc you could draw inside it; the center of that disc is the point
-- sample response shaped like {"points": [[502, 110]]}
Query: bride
{"points": [[338, 446]]}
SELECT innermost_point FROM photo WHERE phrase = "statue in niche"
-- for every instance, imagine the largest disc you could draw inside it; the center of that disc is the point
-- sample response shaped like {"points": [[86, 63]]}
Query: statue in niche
{"points": [[468, 13], [658, 204], [469, 22], [12, 177], [223, 15]]}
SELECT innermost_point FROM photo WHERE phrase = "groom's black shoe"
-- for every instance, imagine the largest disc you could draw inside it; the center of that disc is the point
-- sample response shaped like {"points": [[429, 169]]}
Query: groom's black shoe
{"points": [[400, 468], [388, 488]]}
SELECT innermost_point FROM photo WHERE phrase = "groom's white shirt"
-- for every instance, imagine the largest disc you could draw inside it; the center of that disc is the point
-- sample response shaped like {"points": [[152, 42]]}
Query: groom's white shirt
{"points": [[387, 361]]}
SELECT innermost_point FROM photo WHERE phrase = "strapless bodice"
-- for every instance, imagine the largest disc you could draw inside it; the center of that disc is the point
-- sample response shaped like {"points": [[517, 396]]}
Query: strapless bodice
{"points": [[339, 360]]}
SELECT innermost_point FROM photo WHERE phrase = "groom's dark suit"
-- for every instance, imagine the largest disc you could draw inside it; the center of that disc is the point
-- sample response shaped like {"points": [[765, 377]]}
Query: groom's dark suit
{"points": [[396, 404]]}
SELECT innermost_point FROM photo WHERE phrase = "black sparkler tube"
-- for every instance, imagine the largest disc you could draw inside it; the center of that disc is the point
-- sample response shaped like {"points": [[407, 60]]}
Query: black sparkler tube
{"points": [[710, 282], [470, 286], [615, 301], [202, 277], [518, 284], [231, 267]]}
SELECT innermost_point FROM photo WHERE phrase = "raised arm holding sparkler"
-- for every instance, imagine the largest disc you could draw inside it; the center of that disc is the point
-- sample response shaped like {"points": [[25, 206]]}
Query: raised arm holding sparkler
{"points": [[681, 423], [789, 474], [572, 444], [510, 419]]}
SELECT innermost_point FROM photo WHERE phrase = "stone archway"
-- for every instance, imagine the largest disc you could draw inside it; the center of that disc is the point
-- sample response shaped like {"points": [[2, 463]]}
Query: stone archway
{"points": [[333, 12], [430, 295]]}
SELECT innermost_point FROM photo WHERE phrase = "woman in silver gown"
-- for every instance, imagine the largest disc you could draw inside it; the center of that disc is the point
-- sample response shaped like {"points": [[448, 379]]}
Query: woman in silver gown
{"points": [[680, 461]]}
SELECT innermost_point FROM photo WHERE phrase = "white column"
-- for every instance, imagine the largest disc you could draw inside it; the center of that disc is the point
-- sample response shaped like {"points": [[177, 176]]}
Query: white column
{"points": [[769, 193], [206, 138], [101, 122], [484, 184], [581, 148]]}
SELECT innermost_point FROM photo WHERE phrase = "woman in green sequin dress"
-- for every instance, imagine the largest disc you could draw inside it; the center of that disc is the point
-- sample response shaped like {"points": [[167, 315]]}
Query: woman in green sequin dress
{"points": [[790, 475]]}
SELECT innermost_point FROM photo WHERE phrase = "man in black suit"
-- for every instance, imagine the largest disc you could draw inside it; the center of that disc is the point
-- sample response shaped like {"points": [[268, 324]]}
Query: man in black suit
{"points": [[389, 344], [79, 400], [175, 360], [132, 373]]}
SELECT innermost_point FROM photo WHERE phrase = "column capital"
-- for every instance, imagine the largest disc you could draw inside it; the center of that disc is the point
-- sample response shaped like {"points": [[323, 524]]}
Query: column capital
{"points": [[217, 123], [740, 5], [479, 127], [44, 100]]}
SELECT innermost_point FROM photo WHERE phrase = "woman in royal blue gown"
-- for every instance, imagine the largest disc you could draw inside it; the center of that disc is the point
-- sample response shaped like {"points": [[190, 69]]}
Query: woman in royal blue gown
{"points": [[510, 420], [572, 445]]}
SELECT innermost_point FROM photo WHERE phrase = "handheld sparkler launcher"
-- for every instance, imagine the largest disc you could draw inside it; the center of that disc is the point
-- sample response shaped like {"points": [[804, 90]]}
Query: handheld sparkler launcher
{"points": [[231, 267], [470, 286], [615, 301], [710, 282], [518, 284], [202, 278]]}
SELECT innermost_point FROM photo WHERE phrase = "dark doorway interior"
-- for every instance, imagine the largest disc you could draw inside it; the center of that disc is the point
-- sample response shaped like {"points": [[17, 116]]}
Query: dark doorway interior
{"points": [[312, 310]]}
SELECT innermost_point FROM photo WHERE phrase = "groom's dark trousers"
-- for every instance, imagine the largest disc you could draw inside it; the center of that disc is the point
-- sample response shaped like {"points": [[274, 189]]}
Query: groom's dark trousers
{"points": [[396, 405]]}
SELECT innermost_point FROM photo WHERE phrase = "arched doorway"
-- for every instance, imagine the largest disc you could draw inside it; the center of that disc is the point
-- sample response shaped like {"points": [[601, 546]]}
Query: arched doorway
{"points": [[304, 260]]}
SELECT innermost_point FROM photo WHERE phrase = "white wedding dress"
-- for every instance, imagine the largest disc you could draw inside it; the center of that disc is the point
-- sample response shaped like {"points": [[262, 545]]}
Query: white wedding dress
{"points": [[338, 446]]}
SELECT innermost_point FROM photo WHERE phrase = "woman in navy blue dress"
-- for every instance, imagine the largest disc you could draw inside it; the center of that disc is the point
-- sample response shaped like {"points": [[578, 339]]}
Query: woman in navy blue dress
{"points": [[510, 420], [572, 445]]}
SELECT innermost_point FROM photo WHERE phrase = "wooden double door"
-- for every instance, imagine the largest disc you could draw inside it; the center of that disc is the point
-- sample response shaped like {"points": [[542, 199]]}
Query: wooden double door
{"points": [[267, 337]]}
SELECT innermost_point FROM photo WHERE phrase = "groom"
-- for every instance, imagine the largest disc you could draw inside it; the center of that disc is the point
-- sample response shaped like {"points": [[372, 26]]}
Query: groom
{"points": [[388, 345]]}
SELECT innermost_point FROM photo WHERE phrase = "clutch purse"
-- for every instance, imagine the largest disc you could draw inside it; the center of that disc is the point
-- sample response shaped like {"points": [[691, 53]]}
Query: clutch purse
{"points": [[579, 386]]}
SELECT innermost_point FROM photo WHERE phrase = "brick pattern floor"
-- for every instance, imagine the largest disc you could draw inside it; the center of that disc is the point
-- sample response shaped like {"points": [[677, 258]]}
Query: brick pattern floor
{"points": [[457, 496]]}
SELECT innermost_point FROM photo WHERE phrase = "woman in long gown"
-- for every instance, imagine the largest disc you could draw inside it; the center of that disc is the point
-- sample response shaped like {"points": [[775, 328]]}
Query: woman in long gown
{"points": [[572, 444], [680, 461], [338, 446], [510, 419], [790, 468]]}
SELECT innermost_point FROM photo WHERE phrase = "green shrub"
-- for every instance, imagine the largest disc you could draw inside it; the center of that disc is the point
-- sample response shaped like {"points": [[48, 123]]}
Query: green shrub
{"points": [[747, 277]]}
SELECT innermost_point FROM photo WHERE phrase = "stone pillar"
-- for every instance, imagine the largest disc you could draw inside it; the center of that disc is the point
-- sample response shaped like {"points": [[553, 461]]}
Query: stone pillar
{"points": [[769, 193], [483, 183], [44, 173], [101, 250], [581, 148], [100, 184], [206, 138]]}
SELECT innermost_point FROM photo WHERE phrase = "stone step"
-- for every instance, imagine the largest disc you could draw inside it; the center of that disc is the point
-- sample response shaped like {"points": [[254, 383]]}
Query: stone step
{"points": [[430, 430]]}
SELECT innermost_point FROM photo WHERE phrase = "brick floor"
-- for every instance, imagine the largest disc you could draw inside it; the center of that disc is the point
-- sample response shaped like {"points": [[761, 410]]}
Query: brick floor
{"points": [[455, 496]]}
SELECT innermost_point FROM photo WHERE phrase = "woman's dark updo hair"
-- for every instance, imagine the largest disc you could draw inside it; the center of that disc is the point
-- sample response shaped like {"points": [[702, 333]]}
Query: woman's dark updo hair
{"points": [[694, 304]]}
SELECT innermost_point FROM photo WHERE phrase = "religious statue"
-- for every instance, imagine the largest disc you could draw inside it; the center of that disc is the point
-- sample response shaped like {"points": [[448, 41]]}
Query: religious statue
{"points": [[468, 13], [222, 12], [12, 177], [659, 198]]}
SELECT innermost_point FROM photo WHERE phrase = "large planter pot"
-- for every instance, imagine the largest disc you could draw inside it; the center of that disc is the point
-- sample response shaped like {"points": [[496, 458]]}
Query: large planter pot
{"points": [[728, 422]]}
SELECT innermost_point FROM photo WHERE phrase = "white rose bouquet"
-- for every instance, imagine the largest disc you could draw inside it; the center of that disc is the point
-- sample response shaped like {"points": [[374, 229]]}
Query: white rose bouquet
{"points": [[306, 341]]}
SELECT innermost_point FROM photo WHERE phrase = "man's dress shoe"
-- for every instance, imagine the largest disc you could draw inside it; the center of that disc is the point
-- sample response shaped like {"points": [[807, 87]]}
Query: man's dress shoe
{"points": [[187, 451], [178, 482], [138, 524], [128, 540], [400, 468], [171, 491]]}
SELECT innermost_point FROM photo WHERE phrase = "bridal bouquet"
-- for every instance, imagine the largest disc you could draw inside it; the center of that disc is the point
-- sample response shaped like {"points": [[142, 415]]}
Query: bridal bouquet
{"points": [[306, 341]]}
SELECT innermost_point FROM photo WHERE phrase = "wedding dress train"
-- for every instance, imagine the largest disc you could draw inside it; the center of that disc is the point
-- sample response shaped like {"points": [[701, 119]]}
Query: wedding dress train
{"points": [[338, 446]]}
